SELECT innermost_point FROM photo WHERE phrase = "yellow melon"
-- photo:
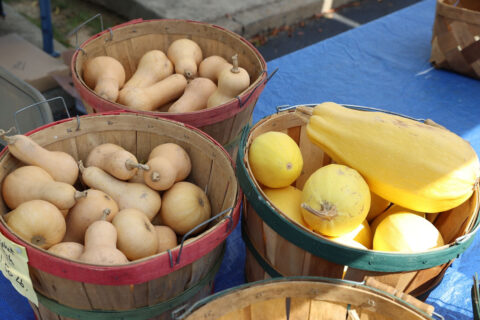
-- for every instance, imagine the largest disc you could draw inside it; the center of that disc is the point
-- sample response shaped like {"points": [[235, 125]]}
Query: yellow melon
{"points": [[406, 232], [393, 209], [360, 237], [288, 201], [335, 200], [275, 159], [377, 206]]}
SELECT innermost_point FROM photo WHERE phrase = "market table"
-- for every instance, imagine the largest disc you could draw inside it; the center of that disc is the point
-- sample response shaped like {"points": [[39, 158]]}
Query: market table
{"points": [[382, 64]]}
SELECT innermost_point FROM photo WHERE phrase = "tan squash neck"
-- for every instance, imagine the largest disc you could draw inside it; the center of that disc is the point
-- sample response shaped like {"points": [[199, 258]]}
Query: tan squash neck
{"points": [[130, 165], [8, 139], [235, 64]]}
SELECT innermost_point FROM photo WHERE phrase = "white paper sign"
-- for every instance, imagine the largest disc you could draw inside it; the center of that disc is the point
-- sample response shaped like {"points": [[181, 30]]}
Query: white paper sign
{"points": [[13, 264]]}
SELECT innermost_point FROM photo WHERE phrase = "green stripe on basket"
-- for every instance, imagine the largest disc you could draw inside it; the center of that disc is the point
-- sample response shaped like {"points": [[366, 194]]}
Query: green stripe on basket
{"points": [[356, 258], [234, 142], [134, 314]]}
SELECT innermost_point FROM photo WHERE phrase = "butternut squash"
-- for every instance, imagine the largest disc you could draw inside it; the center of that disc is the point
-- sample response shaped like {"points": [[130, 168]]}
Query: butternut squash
{"points": [[195, 96], [152, 67], [186, 55], [38, 222], [100, 245], [184, 207], [231, 82], [125, 194], [105, 75], [415, 165], [60, 165], [114, 160], [33, 183], [168, 163], [138, 177], [136, 235], [87, 210], [68, 250], [167, 239], [212, 66], [154, 96]]}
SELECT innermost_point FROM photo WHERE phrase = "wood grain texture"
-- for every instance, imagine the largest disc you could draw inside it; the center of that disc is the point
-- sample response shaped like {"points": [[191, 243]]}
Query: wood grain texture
{"points": [[211, 169], [129, 42], [292, 260], [307, 300]]}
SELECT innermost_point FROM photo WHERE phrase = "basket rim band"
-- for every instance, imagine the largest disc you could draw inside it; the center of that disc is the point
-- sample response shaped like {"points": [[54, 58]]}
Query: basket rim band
{"points": [[353, 257], [133, 314], [151, 268]]}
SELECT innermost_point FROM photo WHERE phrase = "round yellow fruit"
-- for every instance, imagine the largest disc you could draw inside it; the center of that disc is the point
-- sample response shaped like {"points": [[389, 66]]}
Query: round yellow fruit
{"points": [[360, 237], [275, 159], [288, 201], [393, 209], [406, 232], [377, 206], [335, 200]]}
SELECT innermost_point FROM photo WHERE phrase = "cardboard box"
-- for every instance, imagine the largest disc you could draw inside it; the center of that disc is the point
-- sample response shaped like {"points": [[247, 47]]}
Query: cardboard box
{"points": [[29, 63]]}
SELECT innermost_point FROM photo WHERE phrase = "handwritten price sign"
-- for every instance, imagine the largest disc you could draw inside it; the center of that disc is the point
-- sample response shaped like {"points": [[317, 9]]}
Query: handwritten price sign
{"points": [[13, 264]]}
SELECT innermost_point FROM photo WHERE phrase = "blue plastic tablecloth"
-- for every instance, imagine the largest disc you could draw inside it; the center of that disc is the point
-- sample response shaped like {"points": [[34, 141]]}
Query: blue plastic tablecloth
{"points": [[382, 64]]}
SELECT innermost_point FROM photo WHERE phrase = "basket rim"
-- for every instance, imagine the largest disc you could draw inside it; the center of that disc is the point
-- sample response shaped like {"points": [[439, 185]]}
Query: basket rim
{"points": [[137, 271], [198, 118], [299, 280], [364, 259]]}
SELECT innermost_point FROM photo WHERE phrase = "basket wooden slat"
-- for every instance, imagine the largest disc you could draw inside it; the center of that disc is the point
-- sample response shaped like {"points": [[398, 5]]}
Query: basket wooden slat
{"points": [[309, 298], [276, 246], [456, 37], [128, 42], [149, 281]]}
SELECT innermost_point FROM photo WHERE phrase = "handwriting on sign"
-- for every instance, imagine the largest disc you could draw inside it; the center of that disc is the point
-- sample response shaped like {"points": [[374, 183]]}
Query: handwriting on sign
{"points": [[14, 267]]}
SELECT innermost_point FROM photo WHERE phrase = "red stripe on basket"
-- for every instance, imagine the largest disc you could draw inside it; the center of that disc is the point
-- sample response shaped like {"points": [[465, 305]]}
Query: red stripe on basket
{"points": [[135, 272]]}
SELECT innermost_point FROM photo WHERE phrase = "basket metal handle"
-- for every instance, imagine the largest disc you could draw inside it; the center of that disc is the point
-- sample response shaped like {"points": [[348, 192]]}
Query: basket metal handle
{"points": [[204, 223], [81, 25], [17, 127], [350, 106], [264, 82]]}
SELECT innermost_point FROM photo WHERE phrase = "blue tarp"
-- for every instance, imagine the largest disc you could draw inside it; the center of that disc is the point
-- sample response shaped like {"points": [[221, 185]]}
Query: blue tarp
{"points": [[382, 64]]}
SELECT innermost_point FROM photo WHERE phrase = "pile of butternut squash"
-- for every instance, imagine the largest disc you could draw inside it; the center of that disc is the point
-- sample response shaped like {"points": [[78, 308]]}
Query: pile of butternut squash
{"points": [[109, 209], [179, 81], [390, 178]]}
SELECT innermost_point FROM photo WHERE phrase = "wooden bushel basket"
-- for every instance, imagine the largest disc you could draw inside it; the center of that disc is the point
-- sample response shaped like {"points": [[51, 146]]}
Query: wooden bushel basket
{"points": [[128, 42], [456, 37], [308, 298], [147, 288], [278, 247]]}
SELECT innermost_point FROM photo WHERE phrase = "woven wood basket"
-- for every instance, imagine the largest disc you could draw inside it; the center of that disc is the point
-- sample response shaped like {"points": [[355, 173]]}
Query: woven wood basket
{"points": [[128, 42], [308, 298], [278, 247], [146, 288], [456, 37]]}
